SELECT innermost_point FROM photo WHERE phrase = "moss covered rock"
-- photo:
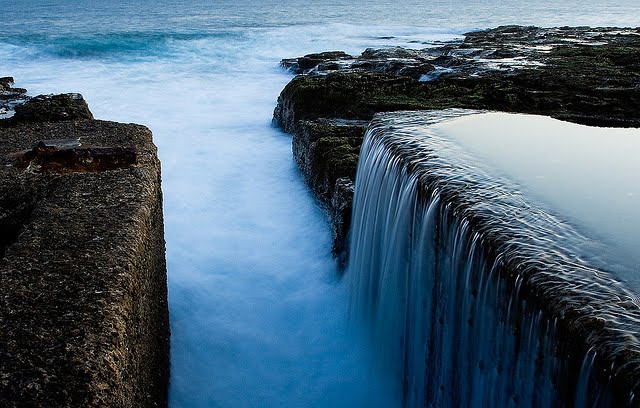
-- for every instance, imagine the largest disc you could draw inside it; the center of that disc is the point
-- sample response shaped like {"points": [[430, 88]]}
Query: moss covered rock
{"points": [[580, 74]]}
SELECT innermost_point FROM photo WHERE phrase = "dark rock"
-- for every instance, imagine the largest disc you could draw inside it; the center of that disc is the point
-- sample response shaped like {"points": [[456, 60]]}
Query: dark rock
{"points": [[580, 74], [387, 53], [408, 68], [340, 216], [10, 97], [326, 152], [310, 61], [12, 93], [395, 61], [6, 82], [328, 66], [449, 61], [52, 108], [415, 71], [83, 295], [346, 95]]}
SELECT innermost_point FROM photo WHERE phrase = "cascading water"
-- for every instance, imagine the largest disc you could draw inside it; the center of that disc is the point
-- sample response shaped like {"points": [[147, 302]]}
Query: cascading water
{"points": [[474, 296]]}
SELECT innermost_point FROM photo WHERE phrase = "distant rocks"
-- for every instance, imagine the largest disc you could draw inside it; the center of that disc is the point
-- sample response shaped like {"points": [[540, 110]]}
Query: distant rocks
{"points": [[10, 97], [6, 83], [16, 107], [396, 61], [326, 60], [580, 74]]}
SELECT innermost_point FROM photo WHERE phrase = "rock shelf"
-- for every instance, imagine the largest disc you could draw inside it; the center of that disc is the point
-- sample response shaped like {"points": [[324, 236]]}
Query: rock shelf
{"points": [[579, 74], [83, 295]]}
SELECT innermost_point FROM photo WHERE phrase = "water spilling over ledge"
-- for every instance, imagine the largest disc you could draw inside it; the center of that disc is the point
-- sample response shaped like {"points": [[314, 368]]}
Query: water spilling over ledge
{"points": [[474, 293]]}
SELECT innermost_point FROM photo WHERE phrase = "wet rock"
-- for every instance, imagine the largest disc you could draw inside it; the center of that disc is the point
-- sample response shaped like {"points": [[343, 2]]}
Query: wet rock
{"points": [[580, 74], [10, 97], [6, 82], [326, 152], [389, 53], [346, 95], [310, 61], [83, 295], [340, 216], [415, 71], [52, 108], [408, 68]]}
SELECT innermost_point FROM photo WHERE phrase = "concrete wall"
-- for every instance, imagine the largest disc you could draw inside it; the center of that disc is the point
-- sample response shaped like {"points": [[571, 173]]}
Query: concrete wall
{"points": [[83, 295]]}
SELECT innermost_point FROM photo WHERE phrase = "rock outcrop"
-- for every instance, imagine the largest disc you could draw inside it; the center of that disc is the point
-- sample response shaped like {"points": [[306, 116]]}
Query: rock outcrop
{"points": [[52, 108], [10, 97], [584, 75], [326, 151], [83, 295]]}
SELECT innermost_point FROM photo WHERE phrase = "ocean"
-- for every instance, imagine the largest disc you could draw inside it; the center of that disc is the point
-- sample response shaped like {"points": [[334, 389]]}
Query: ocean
{"points": [[258, 315]]}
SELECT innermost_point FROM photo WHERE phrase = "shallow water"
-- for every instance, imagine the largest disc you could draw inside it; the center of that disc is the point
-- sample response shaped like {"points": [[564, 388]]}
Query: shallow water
{"points": [[588, 175], [258, 317]]}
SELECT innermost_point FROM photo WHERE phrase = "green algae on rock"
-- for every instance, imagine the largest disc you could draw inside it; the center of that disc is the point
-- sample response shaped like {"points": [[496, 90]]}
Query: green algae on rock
{"points": [[326, 152], [579, 74]]}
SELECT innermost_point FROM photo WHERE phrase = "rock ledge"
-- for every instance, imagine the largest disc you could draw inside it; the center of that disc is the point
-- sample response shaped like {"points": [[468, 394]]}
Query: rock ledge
{"points": [[580, 74], [83, 295]]}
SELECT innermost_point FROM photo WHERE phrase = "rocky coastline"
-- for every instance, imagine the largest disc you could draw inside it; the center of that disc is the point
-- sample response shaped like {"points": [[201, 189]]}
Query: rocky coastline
{"points": [[83, 314], [579, 74]]}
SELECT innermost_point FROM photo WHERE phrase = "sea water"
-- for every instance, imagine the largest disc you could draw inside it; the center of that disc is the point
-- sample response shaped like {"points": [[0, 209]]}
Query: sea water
{"points": [[258, 317], [447, 251], [588, 175]]}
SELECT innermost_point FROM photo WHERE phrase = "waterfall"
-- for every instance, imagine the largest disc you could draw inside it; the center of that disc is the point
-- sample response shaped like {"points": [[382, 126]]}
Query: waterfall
{"points": [[472, 295]]}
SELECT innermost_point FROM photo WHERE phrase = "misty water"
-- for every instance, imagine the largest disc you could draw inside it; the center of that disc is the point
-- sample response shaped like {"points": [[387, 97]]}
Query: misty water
{"points": [[258, 315]]}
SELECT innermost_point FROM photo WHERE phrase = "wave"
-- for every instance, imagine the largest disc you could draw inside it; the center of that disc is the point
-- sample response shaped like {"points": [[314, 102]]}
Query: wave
{"points": [[107, 46]]}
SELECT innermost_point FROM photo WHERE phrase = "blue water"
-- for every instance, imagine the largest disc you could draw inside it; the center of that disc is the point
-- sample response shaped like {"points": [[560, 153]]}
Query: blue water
{"points": [[258, 316], [445, 251]]}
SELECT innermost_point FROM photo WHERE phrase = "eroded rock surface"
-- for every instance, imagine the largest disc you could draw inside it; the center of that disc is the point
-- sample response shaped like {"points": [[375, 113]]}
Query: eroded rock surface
{"points": [[326, 151], [580, 74], [83, 296], [10, 97], [52, 108]]}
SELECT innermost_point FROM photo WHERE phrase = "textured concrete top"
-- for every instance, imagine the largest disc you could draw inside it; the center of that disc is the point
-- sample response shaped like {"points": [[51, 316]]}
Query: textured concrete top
{"points": [[83, 311]]}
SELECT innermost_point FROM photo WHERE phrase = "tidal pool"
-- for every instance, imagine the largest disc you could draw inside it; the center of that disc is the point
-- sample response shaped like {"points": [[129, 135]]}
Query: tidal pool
{"points": [[586, 175]]}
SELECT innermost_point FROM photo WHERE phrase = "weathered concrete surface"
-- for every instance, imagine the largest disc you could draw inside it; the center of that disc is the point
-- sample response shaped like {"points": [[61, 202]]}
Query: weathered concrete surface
{"points": [[83, 296], [585, 75]]}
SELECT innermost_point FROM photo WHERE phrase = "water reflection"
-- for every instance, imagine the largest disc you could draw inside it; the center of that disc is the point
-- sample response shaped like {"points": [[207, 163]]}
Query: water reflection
{"points": [[587, 174]]}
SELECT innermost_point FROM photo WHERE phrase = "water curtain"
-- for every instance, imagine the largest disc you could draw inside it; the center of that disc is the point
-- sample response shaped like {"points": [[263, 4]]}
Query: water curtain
{"points": [[473, 296]]}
